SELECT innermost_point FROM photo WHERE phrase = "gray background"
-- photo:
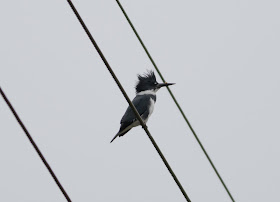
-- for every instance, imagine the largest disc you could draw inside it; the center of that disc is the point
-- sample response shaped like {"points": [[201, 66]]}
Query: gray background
{"points": [[223, 57]]}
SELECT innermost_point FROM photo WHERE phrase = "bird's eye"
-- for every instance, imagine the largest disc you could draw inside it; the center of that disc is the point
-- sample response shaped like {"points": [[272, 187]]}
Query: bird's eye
{"points": [[155, 83]]}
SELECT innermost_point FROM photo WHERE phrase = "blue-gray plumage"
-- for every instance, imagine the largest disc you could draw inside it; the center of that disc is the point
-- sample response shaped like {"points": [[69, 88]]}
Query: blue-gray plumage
{"points": [[144, 101]]}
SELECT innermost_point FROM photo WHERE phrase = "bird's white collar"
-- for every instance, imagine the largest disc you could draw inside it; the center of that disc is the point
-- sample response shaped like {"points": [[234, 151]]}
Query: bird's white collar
{"points": [[148, 92]]}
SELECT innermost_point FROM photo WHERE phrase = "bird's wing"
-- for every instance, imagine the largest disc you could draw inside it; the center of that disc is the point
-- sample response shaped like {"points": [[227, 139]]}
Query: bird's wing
{"points": [[141, 103]]}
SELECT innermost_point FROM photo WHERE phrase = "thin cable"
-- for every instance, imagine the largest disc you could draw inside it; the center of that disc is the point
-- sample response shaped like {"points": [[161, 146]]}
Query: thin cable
{"points": [[128, 100], [35, 146], [173, 97]]}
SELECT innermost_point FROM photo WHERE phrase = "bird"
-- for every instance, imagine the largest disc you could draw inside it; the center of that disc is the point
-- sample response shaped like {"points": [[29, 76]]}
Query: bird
{"points": [[144, 102]]}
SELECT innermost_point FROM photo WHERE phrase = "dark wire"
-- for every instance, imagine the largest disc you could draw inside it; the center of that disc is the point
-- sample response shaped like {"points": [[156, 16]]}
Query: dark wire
{"points": [[128, 100], [35, 146], [173, 97]]}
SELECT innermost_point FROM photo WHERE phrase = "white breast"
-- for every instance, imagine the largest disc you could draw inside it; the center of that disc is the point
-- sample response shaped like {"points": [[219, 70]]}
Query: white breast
{"points": [[151, 109]]}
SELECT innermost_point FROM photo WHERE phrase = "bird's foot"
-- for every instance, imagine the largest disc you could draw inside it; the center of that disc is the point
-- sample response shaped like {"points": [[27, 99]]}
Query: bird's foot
{"points": [[145, 126]]}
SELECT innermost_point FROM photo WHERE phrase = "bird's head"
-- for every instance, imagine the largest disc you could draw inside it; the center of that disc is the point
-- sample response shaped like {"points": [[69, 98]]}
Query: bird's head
{"points": [[148, 81]]}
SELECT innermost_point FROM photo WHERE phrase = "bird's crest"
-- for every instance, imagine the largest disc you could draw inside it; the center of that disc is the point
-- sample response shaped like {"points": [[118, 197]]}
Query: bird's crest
{"points": [[145, 81]]}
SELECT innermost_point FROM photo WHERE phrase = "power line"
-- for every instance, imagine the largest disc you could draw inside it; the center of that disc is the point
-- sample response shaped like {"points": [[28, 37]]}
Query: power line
{"points": [[35, 146], [128, 100], [175, 100]]}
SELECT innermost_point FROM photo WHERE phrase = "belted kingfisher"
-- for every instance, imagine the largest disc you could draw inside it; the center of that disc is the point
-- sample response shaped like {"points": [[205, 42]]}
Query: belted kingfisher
{"points": [[144, 101]]}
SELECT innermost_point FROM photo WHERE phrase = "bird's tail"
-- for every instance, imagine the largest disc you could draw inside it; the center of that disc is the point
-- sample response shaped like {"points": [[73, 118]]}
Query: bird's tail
{"points": [[115, 137], [120, 133]]}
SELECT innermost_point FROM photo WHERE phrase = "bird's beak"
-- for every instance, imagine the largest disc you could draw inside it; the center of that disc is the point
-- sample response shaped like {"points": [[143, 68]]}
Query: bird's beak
{"points": [[164, 84]]}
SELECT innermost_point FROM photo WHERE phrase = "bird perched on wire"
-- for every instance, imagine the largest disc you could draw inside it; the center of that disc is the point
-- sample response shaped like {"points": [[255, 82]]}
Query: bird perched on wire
{"points": [[146, 89]]}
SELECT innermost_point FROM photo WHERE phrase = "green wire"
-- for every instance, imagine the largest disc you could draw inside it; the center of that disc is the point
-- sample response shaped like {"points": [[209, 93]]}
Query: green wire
{"points": [[175, 100]]}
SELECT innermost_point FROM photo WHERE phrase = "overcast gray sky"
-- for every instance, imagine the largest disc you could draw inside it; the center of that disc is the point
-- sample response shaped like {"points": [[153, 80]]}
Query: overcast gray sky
{"points": [[223, 57]]}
